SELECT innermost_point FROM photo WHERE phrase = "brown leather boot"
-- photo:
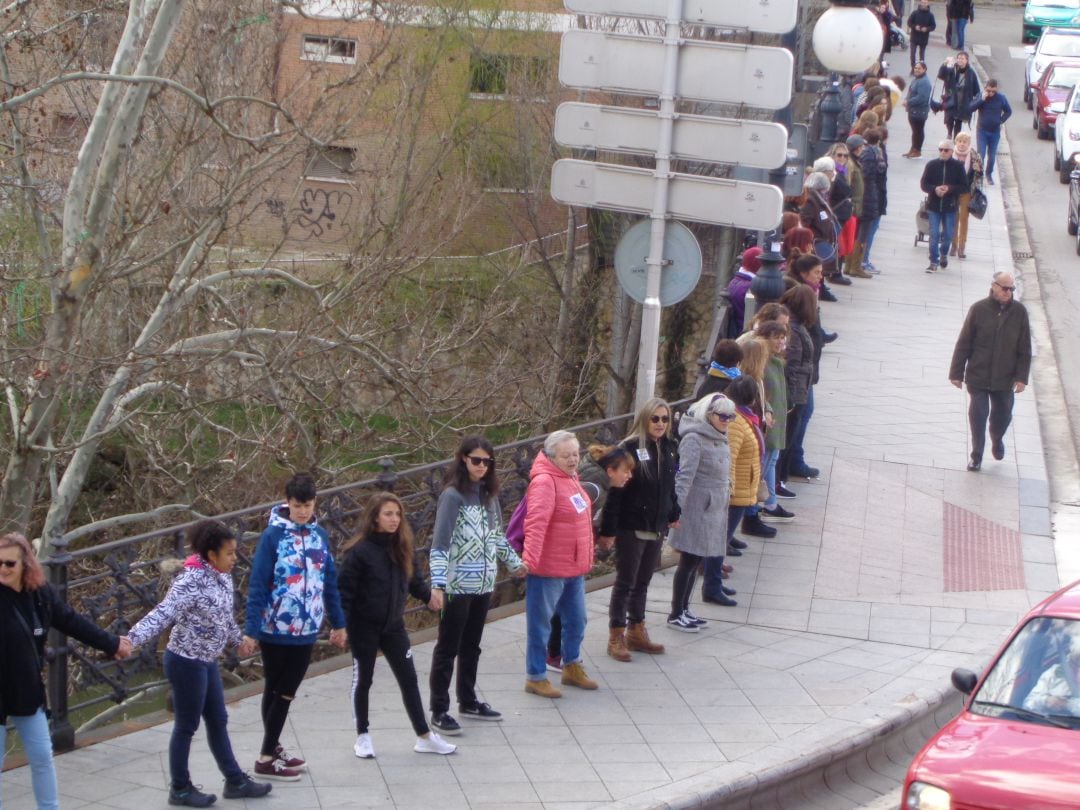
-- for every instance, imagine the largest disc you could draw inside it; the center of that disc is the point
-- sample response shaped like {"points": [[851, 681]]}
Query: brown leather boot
{"points": [[637, 640], [858, 272], [616, 646], [574, 675], [854, 259]]}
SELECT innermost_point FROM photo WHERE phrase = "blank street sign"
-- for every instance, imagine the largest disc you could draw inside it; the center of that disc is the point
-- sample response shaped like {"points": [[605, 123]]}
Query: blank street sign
{"points": [[767, 16], [761, 144], [754, 206], [708, 71]]}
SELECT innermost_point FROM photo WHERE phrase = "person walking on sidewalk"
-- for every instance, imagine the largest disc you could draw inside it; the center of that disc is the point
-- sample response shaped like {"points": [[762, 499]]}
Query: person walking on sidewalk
{"points": [[466, 544], [920, 24], [918, 108], [959, 13], [993, 357], [960, 88], [703, 484], [377, 576], [199, 608], [994, 111], [293, 588], [559, 553], [943, 181], [646, 509], [965, 155]]}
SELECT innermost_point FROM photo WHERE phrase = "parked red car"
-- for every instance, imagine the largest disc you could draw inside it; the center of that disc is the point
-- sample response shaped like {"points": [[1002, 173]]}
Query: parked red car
{"points": [[1016, 743], [1051, 94]]}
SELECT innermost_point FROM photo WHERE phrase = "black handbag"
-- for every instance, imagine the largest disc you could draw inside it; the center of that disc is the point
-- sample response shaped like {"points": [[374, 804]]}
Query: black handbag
{"points": [[977, 204]]}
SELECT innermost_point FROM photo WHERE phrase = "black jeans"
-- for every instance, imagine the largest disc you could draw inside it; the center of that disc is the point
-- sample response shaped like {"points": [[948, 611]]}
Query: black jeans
{"points": [[918, 132], [635, 562], [953, 125], [921, 48], [198, 695], [783, 464], [366, 643], [683, 583], [460, 630], [997, 405], [284, 667]]}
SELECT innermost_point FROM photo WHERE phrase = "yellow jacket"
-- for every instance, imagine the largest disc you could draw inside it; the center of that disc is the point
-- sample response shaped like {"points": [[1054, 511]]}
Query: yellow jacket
{"points": [[745, 462]]}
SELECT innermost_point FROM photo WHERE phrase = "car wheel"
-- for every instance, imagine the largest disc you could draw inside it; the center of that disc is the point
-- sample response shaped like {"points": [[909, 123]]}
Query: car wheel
{"points": [[1029, 98], [1057, 161], [1043, 132], [1070, 226], [1064, 171], [1035, 122], [1078, 245]]}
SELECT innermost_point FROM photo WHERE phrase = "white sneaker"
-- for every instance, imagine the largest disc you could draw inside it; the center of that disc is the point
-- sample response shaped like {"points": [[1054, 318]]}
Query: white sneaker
{"points": [[433, 744], [363, 747]]}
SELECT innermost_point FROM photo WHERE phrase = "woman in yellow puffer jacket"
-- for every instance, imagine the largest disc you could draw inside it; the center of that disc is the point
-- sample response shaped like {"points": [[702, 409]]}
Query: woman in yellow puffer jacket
{"points": [[746, 442]]}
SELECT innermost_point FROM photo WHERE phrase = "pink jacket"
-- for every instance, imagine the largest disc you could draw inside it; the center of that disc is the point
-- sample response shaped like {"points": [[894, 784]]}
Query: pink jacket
{"points": [[558, 524]]}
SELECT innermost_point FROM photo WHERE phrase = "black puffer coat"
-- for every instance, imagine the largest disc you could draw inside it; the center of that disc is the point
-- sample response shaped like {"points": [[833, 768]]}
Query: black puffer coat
{"points": [[648, 502], [374, 588]]}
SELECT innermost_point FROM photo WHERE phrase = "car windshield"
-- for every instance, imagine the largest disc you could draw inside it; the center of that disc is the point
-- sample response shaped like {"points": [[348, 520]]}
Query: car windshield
{"points": [[1064, 77], [1037, 678], [1060, 45], [1057, 4]]}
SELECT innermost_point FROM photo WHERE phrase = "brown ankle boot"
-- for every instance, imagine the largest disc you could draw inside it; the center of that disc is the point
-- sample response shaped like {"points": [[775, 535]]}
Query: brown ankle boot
{"points": [[858, 272], [637, 640], [616, 646]]}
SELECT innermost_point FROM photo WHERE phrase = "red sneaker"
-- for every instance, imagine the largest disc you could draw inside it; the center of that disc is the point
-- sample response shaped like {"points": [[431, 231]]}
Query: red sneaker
{"points": [[275, 769], [282, 756]]}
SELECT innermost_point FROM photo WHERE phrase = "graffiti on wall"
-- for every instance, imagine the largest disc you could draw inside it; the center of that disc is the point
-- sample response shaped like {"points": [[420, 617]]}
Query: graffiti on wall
{"points": [[318, 215]]}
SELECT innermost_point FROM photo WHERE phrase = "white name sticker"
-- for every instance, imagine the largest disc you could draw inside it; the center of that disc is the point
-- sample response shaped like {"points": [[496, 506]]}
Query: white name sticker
{"points": [[822, 216], [580, 504], [642, 454]]}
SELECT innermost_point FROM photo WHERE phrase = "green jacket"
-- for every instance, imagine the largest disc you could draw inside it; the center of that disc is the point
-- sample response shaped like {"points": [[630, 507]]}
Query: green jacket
{"points": [[776, 396], [994, 347], [856, 182]]}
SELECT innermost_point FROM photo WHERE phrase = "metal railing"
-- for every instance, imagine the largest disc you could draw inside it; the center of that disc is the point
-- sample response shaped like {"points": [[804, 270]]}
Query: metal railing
{"points": [[117, 581]]}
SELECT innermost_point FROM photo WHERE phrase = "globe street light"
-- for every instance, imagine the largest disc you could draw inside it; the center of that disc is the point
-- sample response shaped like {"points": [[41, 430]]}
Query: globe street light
{"points": [[848, 37]]}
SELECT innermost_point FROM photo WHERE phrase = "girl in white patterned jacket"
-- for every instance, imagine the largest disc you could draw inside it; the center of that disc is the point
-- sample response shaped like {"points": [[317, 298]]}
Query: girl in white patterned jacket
{"points": [[199, 608], [467, 538]]}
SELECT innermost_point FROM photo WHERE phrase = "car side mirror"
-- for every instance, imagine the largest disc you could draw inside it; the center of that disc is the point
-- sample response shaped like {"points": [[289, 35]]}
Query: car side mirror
{"points": [[1029, 50], [964, 680]]}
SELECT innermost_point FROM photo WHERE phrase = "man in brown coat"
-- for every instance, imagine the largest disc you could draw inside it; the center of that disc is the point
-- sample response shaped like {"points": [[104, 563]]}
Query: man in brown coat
{"points": [[993, 356]]}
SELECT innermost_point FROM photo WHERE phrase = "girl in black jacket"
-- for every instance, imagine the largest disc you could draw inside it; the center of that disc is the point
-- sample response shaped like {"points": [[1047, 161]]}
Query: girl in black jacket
{"points": [[29, 608], [375, 580]]}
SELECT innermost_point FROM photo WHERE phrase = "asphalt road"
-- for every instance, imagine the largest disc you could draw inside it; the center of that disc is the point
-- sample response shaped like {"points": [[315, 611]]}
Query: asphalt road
{"points": [[996, 34]]}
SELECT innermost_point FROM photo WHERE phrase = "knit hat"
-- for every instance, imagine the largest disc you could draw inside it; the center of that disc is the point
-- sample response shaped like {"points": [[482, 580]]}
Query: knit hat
{"points": [[750, 260], [855, 141]]}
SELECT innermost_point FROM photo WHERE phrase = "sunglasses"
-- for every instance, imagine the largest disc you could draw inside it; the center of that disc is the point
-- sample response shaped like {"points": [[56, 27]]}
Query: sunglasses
{"points": [[659, 420], [1006, 289], [478, 461], [724, 417], [941, 149], [840, 155], [9, 563]]}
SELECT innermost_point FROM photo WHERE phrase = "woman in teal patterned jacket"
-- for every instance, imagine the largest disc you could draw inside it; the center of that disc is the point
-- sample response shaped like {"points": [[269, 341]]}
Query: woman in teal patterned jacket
{"points": [[467, 541]]}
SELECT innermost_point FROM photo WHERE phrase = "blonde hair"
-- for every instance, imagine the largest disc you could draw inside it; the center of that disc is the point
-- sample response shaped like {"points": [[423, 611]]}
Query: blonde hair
{"points": [[755, 356], [639, 429], [962, 136]]}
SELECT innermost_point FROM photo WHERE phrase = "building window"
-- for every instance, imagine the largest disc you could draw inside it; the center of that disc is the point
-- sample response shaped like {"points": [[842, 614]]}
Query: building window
{"points": [[501, 75], [329, 49], [333, 163]]}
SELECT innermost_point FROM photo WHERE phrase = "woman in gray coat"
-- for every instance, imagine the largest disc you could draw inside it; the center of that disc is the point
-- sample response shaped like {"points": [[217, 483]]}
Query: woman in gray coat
{"points": [[703, 486]]}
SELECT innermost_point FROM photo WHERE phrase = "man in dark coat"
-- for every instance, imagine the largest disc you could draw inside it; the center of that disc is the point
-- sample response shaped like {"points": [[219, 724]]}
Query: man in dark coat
{"points": [[959, 13], [993, 356], [943, 181], [920, 24]]}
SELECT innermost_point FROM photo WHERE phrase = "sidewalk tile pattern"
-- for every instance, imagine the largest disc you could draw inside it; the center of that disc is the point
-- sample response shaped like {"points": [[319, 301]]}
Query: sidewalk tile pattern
{"points": [[980, 555]]}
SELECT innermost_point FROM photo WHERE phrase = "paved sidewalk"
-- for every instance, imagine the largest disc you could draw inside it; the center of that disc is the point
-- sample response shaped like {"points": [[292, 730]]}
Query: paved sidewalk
{"points": [[900, 567]]}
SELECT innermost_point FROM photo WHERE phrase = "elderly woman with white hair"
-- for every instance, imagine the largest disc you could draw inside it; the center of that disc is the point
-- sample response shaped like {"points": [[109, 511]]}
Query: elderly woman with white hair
{"points": [[558, 553], [703, 486], [817, 215]]}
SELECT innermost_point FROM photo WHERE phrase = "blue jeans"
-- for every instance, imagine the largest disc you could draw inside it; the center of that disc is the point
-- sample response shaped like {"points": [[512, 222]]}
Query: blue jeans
{"points": [[872, 230], [795, 446], [987, 144], [768, 472], [713, 579], [34, 731], [941, 232], [544, 597], [197, 693], [959, 27]]}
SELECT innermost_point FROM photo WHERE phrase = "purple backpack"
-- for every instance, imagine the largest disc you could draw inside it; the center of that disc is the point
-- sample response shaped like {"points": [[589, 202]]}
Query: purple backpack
{"points": [[515, 529]]}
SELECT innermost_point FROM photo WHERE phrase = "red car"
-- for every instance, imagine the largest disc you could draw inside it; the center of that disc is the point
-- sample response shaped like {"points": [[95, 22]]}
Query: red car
{"points": [[1016, 743], [1051, 94]]}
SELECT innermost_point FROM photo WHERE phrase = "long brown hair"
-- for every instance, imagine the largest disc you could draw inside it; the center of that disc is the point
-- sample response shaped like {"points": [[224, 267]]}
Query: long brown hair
{"points": [[33, 576], [402, 549]]}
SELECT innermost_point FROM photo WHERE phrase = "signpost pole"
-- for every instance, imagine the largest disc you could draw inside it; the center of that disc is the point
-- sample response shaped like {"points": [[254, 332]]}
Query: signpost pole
{"points": [[650, 312]]}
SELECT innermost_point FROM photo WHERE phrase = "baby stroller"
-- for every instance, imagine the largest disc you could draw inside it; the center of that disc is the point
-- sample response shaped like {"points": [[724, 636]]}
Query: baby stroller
{"points": [[897, 37]]}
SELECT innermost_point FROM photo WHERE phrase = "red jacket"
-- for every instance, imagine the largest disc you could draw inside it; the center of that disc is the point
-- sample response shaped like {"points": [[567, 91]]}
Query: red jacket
{"points": [[558, 524]]}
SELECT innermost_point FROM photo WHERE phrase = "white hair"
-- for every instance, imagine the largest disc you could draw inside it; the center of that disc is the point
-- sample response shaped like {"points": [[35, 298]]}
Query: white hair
{"points": [[825, 164], [555, 438], [818, 181]]}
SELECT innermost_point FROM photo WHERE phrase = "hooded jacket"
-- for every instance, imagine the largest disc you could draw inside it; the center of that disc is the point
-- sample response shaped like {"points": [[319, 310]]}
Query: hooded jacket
{"points": [[467, 539], [25, 620], [293, 583], [703, 484], [199, 608], [374, 588], [558, 525], [921, 18]]}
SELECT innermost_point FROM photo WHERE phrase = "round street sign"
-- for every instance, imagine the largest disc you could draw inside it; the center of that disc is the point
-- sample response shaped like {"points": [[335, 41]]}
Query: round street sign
{"points": [[682, 262]]}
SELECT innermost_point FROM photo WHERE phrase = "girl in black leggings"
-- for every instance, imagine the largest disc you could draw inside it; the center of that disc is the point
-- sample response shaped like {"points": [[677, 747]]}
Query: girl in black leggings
{"points": [[376, 578]]}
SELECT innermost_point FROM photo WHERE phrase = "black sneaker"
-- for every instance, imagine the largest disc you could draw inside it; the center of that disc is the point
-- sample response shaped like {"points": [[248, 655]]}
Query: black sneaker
{"points": [[944, 261], [777, 514], [724, 589], [733, 552], [753, 526], [445, 723], [720, 600], [246, 788], [735, 542], [825, 294], [190, 796], [784, 492], [479, 711], [809, 473], [931, 268]]}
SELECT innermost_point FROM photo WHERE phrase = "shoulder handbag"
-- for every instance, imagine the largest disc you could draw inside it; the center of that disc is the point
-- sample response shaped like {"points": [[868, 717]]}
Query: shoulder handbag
{"points": [[977, 204]]}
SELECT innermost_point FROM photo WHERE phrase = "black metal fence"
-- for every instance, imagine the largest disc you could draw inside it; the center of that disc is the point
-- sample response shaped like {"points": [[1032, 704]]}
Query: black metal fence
{"points": [[117, 581]]}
